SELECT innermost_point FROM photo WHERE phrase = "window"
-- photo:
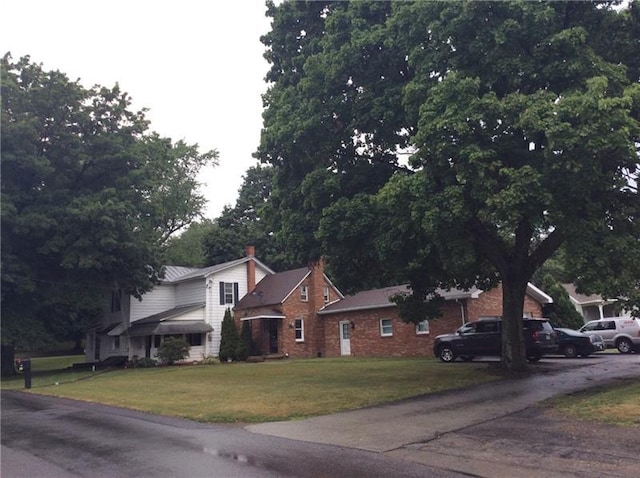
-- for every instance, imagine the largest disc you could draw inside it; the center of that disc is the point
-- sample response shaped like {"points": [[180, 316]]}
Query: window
{"points": [[304, 293], [194, 339], [116, 301], [422, 327], [386, 328], [157, 340], [325, 293], [228, 293], [116, 342], [298, 326]]}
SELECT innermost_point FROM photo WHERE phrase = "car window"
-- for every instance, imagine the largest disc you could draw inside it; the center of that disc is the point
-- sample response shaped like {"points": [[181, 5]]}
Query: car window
{"points": [[467, 329], [609, 325], [487, 327]]}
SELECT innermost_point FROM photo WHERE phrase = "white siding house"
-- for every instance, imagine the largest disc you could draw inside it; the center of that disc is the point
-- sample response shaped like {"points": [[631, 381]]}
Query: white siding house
{"points": [[188, 302]]}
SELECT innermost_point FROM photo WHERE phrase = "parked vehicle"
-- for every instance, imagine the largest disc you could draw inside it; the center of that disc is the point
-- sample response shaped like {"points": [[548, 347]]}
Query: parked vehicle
{"points": [[484, 337], [572, 343], [622, 333], [598, 342]]}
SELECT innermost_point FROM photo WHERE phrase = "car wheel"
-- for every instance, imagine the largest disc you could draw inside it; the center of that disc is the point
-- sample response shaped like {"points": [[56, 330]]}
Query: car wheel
{"points": [[534, 358], [570, 351], [467, 358], [446, 354], [624, 346]]}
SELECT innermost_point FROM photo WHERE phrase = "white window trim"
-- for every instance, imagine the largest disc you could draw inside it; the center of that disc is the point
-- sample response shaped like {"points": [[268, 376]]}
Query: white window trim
{"points": [[295, 329], [228, 294], [382, 332], [423, 332], [304, 293]]}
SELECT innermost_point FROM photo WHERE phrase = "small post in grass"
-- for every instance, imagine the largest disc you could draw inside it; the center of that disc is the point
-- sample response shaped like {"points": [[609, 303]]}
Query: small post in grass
{"points": [[26, 370]]}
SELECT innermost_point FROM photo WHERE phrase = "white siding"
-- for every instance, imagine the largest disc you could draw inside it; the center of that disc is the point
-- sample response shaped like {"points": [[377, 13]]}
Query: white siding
{"points": [[215, 311], [161, 298], [191, 292]]}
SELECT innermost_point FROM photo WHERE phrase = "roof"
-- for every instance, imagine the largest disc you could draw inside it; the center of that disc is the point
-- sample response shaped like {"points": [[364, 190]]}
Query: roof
{"points": [[582, 299], [174, 274], [377, 298], [169, 314], [273, 289], [170, 327]]}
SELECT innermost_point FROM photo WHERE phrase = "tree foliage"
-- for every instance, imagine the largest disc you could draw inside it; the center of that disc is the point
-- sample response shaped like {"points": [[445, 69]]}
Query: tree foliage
{"points": [[229, 338], [89, 196], [562, 313], [173, 350], [246, 224], [458, 143]]}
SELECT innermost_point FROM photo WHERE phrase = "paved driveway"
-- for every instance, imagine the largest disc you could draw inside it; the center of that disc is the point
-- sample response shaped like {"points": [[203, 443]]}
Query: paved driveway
{"points": [[424, 429]]}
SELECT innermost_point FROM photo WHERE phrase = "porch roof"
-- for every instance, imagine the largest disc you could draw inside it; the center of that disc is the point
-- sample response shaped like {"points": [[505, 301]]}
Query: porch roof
{"points": [[170, 327]]}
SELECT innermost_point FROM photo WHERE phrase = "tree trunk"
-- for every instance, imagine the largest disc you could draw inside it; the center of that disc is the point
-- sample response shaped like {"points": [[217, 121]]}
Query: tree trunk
{"points": [[514, 357]]}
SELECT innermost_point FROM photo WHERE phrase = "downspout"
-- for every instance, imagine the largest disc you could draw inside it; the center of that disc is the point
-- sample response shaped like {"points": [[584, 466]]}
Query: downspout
{"points": [[464, 321]]}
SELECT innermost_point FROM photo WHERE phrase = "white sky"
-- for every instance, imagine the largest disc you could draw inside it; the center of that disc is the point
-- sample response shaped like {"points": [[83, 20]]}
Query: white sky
{"points": [[197, 66]]}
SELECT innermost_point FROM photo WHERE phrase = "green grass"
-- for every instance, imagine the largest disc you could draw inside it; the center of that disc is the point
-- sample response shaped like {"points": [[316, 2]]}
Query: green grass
{"points": [[268, 391], [617, 405], [49, 371]]}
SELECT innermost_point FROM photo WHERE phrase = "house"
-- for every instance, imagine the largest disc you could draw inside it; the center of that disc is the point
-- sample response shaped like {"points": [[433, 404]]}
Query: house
{"points": [[188, 303], [592, 307], [300, 313], [367, 323], [282, 311]]}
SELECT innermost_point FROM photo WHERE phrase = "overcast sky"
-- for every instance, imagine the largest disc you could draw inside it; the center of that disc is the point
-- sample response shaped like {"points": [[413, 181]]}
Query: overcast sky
{"points": [[196, 65]]}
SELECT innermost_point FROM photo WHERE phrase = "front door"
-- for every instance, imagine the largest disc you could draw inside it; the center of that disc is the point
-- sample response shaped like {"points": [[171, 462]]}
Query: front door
{"points": [[273, 336], [147, 346], [345, 338]]}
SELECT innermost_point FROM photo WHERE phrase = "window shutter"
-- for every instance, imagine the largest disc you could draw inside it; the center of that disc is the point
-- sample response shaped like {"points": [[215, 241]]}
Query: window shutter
{"points": [[235, 292], [221, 293]]}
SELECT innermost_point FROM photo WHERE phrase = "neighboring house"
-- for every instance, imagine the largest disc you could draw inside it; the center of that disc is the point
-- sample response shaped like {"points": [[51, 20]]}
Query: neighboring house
{"points": [[188, 303], [282, 311], [367, 323], [592, 307], [300, 313]]}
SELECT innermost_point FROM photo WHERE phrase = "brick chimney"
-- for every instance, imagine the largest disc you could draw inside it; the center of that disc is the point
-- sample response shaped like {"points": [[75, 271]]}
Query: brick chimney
{"points": [[251, 269]]}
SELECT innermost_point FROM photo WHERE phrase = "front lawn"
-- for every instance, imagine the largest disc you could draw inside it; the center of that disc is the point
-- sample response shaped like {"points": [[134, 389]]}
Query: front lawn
{"points": [[618, 404], [268, 391]]}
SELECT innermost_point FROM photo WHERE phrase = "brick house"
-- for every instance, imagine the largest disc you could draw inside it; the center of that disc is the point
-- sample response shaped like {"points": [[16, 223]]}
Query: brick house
{"points": [[282, 311], [300, 313], [367, 323]]}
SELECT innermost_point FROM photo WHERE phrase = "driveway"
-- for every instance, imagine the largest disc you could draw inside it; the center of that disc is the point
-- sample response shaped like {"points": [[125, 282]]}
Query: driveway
{"points": [[446, 430]]}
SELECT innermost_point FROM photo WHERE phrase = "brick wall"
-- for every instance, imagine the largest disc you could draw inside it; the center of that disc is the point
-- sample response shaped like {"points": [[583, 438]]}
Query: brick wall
{"points": [[322, 333], [366, 339], [489, 304]]}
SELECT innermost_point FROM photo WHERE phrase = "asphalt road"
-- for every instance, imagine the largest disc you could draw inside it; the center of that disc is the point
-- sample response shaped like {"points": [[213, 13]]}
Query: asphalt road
{"points": [[493, 430], [57, 438]]}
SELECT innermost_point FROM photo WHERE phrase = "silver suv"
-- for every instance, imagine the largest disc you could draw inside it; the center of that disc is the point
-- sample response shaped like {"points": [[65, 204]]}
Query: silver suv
{"points": [[622, 333]]}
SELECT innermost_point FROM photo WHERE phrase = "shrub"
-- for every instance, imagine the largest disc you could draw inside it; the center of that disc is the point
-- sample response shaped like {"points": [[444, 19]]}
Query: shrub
{"points": [[172, 350], [145, 363], [229, 338]]}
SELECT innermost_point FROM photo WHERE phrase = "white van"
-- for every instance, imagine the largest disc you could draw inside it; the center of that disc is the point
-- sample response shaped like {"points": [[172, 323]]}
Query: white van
{"points": [[622, 333]]}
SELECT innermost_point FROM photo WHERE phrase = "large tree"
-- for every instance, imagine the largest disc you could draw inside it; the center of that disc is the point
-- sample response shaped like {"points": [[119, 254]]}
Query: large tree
{"points": [[519, 121], [89, 197]]}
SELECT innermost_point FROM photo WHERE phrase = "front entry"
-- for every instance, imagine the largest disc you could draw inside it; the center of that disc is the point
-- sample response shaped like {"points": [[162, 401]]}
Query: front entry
{"points": [[147, 346], [345, 338], [273, 336]]}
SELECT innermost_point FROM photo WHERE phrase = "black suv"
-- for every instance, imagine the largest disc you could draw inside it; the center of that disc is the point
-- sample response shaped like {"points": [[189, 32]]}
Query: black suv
{"points": [[483, 337]]}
